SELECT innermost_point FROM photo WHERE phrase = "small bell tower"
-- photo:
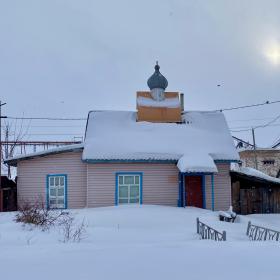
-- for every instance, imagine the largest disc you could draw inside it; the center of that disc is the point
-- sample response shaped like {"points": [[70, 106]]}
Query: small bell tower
{"points": [[157, 105]]}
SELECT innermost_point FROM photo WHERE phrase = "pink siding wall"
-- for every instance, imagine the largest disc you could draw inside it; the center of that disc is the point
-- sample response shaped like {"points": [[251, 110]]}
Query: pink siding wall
{"points": [[222, 188], [160, 183], [32, 177], [93, 185]]}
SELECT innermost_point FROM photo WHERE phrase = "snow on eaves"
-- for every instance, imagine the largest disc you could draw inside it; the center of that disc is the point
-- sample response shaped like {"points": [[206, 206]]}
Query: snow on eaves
{"points": [[65, 148], [199, 163], [203, 137], [253, 173]]}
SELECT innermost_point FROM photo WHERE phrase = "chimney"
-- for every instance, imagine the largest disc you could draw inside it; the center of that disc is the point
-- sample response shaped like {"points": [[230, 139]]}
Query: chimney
{"points": [[182, 102]]}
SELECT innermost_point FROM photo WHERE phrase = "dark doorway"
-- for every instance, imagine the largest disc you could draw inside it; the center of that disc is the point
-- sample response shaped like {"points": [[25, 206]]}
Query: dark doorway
{"points": [[193, 190]]}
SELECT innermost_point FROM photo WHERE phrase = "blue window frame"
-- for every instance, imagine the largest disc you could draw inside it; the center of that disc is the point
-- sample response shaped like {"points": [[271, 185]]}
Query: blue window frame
{"points": [[128, 188], [56, 188]]}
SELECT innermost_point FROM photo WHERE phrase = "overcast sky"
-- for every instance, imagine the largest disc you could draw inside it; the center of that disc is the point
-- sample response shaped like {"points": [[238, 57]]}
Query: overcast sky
{"points": [[63, 58]]}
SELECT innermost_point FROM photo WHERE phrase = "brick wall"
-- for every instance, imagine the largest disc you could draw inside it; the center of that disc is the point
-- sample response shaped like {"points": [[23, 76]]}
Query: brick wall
{"points": [[248, 160]]}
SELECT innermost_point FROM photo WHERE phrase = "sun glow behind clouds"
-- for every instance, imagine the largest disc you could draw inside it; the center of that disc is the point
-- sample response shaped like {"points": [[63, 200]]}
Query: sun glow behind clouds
{"points": [[273, 53]]}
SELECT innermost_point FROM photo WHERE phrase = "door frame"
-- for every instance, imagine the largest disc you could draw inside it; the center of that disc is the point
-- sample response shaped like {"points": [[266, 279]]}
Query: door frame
{"points": [[182, 189], [202, 188]]}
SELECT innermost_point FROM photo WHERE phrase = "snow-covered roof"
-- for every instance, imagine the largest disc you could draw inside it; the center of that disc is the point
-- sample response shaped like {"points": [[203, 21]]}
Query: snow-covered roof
{"points": [[202, 138], [253, 173], [60, 149]]}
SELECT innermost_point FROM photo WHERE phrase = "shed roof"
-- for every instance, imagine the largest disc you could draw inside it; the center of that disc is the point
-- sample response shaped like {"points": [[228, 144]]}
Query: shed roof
{"points": [[253, 173], [62, 149]]}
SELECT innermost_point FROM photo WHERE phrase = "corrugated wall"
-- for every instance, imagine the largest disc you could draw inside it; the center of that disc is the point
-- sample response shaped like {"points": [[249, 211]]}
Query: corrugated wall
{"points": [[222, 188], [32, 177], [160, 183]]}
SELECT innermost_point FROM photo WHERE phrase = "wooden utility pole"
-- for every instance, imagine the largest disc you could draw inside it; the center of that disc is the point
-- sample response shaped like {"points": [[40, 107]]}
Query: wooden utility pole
{"points": [[255, 151], [1, 117]]}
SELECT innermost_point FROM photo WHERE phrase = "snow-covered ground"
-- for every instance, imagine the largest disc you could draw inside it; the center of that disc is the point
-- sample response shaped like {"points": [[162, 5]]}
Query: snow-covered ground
{"points": [[139, 242]]}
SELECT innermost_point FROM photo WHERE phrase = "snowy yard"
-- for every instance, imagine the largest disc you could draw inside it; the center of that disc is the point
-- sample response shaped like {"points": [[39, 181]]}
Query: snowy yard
{"points": [[146, 242]]}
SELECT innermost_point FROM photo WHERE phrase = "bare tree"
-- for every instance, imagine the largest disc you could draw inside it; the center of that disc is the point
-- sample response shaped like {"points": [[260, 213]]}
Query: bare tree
{"points": [[13, 134]]}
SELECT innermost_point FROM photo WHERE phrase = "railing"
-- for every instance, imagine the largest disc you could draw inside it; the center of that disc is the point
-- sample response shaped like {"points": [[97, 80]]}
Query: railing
{"points": [[257, 233], [207, 232]]}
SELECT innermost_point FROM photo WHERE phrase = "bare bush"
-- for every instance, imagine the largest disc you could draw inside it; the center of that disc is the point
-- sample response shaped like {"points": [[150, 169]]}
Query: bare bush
{"points": [[73, 232], [37, 214]]}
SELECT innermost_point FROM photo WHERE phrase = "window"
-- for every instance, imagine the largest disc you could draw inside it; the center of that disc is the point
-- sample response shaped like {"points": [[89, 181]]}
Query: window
{"points": [[56, 191], [268, 162], [128, 188]]}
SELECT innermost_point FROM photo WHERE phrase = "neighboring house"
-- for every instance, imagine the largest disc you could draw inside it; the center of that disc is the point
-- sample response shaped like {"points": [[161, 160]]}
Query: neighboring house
{"points": [[266, 160], [254, 192], [158, 155]]}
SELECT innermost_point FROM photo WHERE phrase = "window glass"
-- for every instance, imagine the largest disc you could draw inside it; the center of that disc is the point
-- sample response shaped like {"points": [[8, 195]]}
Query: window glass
{"points": [[134, 191], [123, 191], [51, 181], [137, 178], [122, 200], [60, 201], [60, 192], [61, 181], [121, 180], [136, 200], [129, 179], [52, 192], [52, 203], [56, 181]]}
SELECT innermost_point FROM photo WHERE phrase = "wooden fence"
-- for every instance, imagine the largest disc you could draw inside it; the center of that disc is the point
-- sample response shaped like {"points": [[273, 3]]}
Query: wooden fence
{"points": [[257, 233], [207, 232]]}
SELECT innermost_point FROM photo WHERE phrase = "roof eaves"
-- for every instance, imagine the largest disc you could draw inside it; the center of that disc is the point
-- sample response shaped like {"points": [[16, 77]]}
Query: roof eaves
{"points": [[15, 160]]}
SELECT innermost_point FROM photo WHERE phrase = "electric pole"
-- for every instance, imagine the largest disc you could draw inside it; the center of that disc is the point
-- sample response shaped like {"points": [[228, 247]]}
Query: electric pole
{"points": [[255, 151], [1, 117]]}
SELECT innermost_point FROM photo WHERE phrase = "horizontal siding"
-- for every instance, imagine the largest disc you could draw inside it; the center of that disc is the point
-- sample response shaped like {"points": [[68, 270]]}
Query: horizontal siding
{"points": [[32, 177], [160, 183], [222, 188]]}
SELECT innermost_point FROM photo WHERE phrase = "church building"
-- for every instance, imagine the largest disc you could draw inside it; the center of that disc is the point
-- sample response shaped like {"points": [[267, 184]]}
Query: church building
{"points": [[159, 154]]}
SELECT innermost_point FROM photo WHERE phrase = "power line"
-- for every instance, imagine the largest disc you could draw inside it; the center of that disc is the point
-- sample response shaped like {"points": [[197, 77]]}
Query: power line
{"points": [[84, 119], [250, 127], [269, 123], [248, 106], [255, 119]]}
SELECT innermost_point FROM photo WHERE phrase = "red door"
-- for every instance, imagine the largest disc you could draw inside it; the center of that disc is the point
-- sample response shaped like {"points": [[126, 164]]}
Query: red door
{"points": [[193, 190]]}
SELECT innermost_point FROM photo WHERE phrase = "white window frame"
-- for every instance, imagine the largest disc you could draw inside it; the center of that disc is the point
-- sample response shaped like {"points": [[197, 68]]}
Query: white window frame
{"points": [[56, 182], [119, 185]]}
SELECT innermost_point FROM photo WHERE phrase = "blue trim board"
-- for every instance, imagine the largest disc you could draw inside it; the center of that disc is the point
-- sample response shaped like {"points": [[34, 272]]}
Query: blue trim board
{"points": [[65, 190], [180, 190], [145, 161], [226, 160], [203, 192], [117, 185], [129, 161]]}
